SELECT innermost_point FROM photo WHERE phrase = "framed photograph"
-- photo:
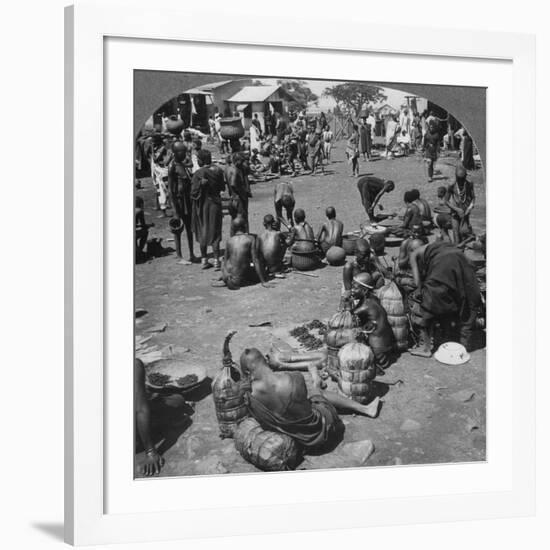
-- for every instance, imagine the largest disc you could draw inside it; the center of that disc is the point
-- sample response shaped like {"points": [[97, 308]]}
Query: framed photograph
{"points": [[296, 289]]}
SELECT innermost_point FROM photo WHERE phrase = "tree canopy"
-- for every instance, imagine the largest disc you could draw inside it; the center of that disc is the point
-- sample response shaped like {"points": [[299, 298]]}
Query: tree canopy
{"points": [[301, 93], [351, 96]]}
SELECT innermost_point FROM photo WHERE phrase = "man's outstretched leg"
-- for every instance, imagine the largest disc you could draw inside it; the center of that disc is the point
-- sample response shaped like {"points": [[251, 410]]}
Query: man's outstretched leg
{"points": [[341, 402]]}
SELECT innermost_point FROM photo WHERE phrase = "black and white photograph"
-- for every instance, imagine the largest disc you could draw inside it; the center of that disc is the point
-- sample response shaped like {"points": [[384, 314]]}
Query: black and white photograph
{"points": [[310, 267]]}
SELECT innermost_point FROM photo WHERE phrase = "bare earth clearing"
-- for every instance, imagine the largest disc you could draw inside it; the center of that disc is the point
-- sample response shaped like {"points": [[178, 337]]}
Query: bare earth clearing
{"points": [[446, 404]]}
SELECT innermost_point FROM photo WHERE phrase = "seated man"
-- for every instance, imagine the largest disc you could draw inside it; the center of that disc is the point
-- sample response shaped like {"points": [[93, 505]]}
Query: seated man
{"points": [[272, 245], [371, 190], [374, 321], [283, 196], [279, 401], [301, 232], [461, 200], [153, 461], [331, 232], [241, 252], [403, 275], [256, 165], [424, 207], [447, 290], [412, 216], [364, 262]]}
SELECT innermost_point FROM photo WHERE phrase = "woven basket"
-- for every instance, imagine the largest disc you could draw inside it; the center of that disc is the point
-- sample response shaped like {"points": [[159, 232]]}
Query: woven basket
{"points": [[305, 261], [359, 392], [392, 301]]}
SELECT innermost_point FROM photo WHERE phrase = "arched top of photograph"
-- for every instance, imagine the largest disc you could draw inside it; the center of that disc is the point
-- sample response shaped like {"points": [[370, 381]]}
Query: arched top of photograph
{"points": [[295, 241]]}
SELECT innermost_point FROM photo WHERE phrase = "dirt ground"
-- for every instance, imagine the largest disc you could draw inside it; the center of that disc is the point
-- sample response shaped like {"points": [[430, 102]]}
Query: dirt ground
{"points": [[437, 415]]}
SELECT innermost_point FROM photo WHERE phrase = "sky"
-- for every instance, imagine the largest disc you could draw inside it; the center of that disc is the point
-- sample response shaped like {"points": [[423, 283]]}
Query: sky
{"points": [[395, 97]]}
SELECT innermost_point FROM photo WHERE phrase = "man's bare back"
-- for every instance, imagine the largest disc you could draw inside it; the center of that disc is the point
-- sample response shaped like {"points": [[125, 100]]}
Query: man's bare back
{"points": [[272, 249], [331, 232], [241, 253]]}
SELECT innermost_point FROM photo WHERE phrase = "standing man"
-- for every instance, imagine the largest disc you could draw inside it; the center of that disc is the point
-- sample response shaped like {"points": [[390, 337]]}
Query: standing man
{"points": [[364, 139], [239, 189], [371, 121], [316, 152], [430, 144], [327, 137], [206, 188], [257, 124], [447, 291], [283, 196], [391, 131], [161, 156], [371, 190], [179, 184]]}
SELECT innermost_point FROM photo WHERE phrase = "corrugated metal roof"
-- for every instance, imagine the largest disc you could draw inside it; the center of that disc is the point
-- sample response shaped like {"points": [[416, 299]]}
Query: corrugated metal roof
{"points": [[214, 85], [250, 94], [197, 91], [207, 88]]}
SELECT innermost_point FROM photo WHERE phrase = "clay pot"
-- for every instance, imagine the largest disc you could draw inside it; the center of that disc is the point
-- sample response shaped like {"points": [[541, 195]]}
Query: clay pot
{"points": [[349, 244], [231, 128], [174, 125]]}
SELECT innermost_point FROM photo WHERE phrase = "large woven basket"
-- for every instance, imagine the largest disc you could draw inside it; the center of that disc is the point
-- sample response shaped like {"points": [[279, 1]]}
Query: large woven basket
{"points": [[305, 261]]}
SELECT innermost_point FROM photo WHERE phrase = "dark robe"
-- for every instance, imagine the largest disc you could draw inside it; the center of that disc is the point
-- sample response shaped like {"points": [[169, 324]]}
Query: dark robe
{"points": [[319, 429], [206, 186], [364, 139], [468, 155], [449, 285]]}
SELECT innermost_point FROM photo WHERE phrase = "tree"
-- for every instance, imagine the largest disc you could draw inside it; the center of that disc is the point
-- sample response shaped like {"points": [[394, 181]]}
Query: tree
{"points": [[301, 93], [351, 97]]}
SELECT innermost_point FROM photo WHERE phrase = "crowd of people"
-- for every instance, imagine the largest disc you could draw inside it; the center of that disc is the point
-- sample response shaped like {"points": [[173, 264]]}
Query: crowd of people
{"points": [[440, 287]]}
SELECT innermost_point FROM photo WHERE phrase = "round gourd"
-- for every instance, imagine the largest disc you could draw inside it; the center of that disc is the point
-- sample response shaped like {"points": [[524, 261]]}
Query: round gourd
{"points": [[336, 255]]}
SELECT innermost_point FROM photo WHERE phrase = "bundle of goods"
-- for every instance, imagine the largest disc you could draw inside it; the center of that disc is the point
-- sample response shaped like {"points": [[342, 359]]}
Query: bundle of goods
{"points": [[392, 301], [231, 128], [268, 451], [343, 327], [229, 390], [348, 243], [356, 371]]}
